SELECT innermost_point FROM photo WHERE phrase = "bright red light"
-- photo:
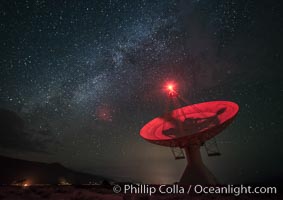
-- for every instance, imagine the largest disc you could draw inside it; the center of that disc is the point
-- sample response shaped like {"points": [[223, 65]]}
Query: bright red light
{"points": [[171, 89]]}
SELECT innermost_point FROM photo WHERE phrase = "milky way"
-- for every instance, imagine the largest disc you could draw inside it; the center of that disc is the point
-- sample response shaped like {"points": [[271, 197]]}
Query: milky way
{"points": [[86, 75]]}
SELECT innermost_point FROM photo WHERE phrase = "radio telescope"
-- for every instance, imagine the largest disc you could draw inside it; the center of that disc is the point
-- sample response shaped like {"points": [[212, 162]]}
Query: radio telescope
{"points": [[186, 129]]}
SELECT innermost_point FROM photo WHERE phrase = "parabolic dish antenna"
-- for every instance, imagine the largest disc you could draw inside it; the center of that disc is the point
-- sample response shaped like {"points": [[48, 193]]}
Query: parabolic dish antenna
{"points": [[189, 128], [193, 124]]}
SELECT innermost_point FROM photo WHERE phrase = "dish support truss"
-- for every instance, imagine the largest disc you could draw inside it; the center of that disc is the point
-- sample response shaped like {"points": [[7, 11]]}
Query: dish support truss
{"points": [[211, 148]]}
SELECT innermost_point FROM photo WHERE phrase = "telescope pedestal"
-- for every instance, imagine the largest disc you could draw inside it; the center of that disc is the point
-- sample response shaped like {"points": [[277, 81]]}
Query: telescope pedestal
{"points": [[196, 172]]}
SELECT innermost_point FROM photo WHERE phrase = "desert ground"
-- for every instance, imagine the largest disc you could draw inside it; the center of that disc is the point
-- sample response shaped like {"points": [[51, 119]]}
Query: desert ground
{"points": [[103, 193]]}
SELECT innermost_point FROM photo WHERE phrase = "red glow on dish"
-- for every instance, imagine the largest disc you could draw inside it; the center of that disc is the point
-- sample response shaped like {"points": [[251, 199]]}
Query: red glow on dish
{"points": [[202, 121]]}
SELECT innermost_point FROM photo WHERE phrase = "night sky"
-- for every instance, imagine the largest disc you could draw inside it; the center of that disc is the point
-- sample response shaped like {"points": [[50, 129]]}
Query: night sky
{"points": [[80, 78]]}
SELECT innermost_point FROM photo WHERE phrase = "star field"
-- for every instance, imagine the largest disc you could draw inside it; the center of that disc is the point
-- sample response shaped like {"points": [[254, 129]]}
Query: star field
{"points": [[84, 76]]}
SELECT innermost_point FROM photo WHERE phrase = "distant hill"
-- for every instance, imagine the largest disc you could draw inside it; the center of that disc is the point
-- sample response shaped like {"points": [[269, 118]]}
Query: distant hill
{"points": [[16, 171]]}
